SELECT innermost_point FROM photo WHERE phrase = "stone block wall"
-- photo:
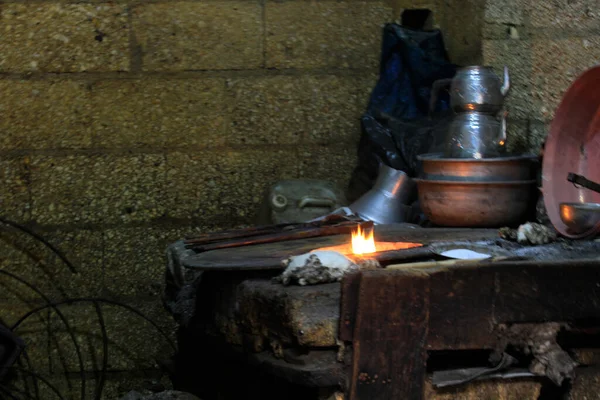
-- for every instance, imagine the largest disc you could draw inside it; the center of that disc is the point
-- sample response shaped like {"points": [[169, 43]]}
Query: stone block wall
{"points": [[461, 22], [546, 45], [126, 125]]}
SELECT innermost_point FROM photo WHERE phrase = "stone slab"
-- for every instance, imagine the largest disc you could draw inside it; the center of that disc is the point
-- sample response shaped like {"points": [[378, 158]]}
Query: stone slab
{"points": [[538, 132], [462, 27], [517, 56], [332, 164], [178, 36], [294, 109], [307, 315], [98, 188], [15, 200], [556, 65], [32, 261], [158, 113], [517, 132], [510, 12], [435, 6], [49, 114], [586, 385], [134, 259], [325, 34], [225, 188], [56, 37], [561, 14]]}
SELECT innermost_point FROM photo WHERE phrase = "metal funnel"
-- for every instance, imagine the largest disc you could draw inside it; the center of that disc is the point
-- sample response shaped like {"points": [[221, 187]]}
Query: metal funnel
{"points": [[386, 202]]}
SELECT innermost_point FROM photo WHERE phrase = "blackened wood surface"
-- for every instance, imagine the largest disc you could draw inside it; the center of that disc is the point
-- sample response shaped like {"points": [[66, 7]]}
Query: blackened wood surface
{"points": [[550, 291], [259, 230], [349, 305], [389, 338], [343, 228], [461, 309], [466, 303], [269, 256]]}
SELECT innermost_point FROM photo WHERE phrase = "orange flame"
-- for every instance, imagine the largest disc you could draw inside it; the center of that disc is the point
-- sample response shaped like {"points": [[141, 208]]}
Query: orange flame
{"points": [[363, 243]]}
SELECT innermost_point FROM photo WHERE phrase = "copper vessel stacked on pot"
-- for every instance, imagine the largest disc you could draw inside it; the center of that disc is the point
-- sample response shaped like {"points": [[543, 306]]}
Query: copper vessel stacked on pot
{"points": [[474, 182]]}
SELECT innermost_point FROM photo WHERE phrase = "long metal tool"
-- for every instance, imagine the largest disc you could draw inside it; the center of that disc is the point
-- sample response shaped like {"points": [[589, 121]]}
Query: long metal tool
{"points": [[583, 182]]}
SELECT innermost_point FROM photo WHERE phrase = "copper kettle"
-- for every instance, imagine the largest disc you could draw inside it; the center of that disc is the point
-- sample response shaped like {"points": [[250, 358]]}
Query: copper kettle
{"points": [[475, 88], [477, 135]]}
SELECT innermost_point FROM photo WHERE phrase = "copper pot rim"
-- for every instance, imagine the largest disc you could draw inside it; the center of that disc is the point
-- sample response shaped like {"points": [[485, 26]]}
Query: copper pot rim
{"points": [[438, 158], [477, 183], [476, 68]]}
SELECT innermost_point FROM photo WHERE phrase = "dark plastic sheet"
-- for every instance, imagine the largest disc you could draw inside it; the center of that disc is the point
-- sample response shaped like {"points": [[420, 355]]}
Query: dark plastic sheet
{"points": [[397, 126]]}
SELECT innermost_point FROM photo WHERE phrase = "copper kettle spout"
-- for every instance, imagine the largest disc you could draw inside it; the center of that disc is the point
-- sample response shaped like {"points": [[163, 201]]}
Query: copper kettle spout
{"points": [[503, 135], [506, 84]]}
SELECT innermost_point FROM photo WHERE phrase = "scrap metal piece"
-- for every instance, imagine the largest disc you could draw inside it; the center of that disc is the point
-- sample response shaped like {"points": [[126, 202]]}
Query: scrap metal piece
{"points": [[443, 379], [539, 340], [464, 375]]}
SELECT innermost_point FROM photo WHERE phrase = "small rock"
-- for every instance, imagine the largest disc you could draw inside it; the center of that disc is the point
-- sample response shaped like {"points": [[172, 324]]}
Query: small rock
{"points": [[368, 263], [133, 395], [315, 268], [508, 234], [535, 234], [166, 395]]}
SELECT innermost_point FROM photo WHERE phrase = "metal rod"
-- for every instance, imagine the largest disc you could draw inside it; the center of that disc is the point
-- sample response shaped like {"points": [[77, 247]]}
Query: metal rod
{"points": [[583, 182]]}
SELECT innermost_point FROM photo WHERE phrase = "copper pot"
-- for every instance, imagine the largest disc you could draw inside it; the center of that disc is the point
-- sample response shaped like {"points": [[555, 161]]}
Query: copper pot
{"points": [[475, 204], [512, 168]]}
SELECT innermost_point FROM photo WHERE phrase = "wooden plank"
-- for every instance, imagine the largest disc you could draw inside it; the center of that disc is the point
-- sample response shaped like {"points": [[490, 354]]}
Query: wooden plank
{"points": [[466, 302], [461, 309], [348, 306], [391, 327], [547, 291]]}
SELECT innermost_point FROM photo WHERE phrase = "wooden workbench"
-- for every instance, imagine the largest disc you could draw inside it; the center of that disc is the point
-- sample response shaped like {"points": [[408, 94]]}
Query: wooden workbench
{"points": [[390, 321], [395, 318]]}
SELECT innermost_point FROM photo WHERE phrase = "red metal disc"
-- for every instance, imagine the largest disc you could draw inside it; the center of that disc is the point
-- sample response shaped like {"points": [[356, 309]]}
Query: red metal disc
{"points": [[573, 145]]}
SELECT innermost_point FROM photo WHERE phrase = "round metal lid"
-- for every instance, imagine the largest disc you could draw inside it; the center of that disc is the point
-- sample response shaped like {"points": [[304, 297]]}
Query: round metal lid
{"points": [[573, 145]]}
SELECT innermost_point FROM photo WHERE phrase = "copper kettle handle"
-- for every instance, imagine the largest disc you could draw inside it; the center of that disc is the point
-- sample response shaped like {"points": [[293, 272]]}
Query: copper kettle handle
{"points": [[435, 92]]}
